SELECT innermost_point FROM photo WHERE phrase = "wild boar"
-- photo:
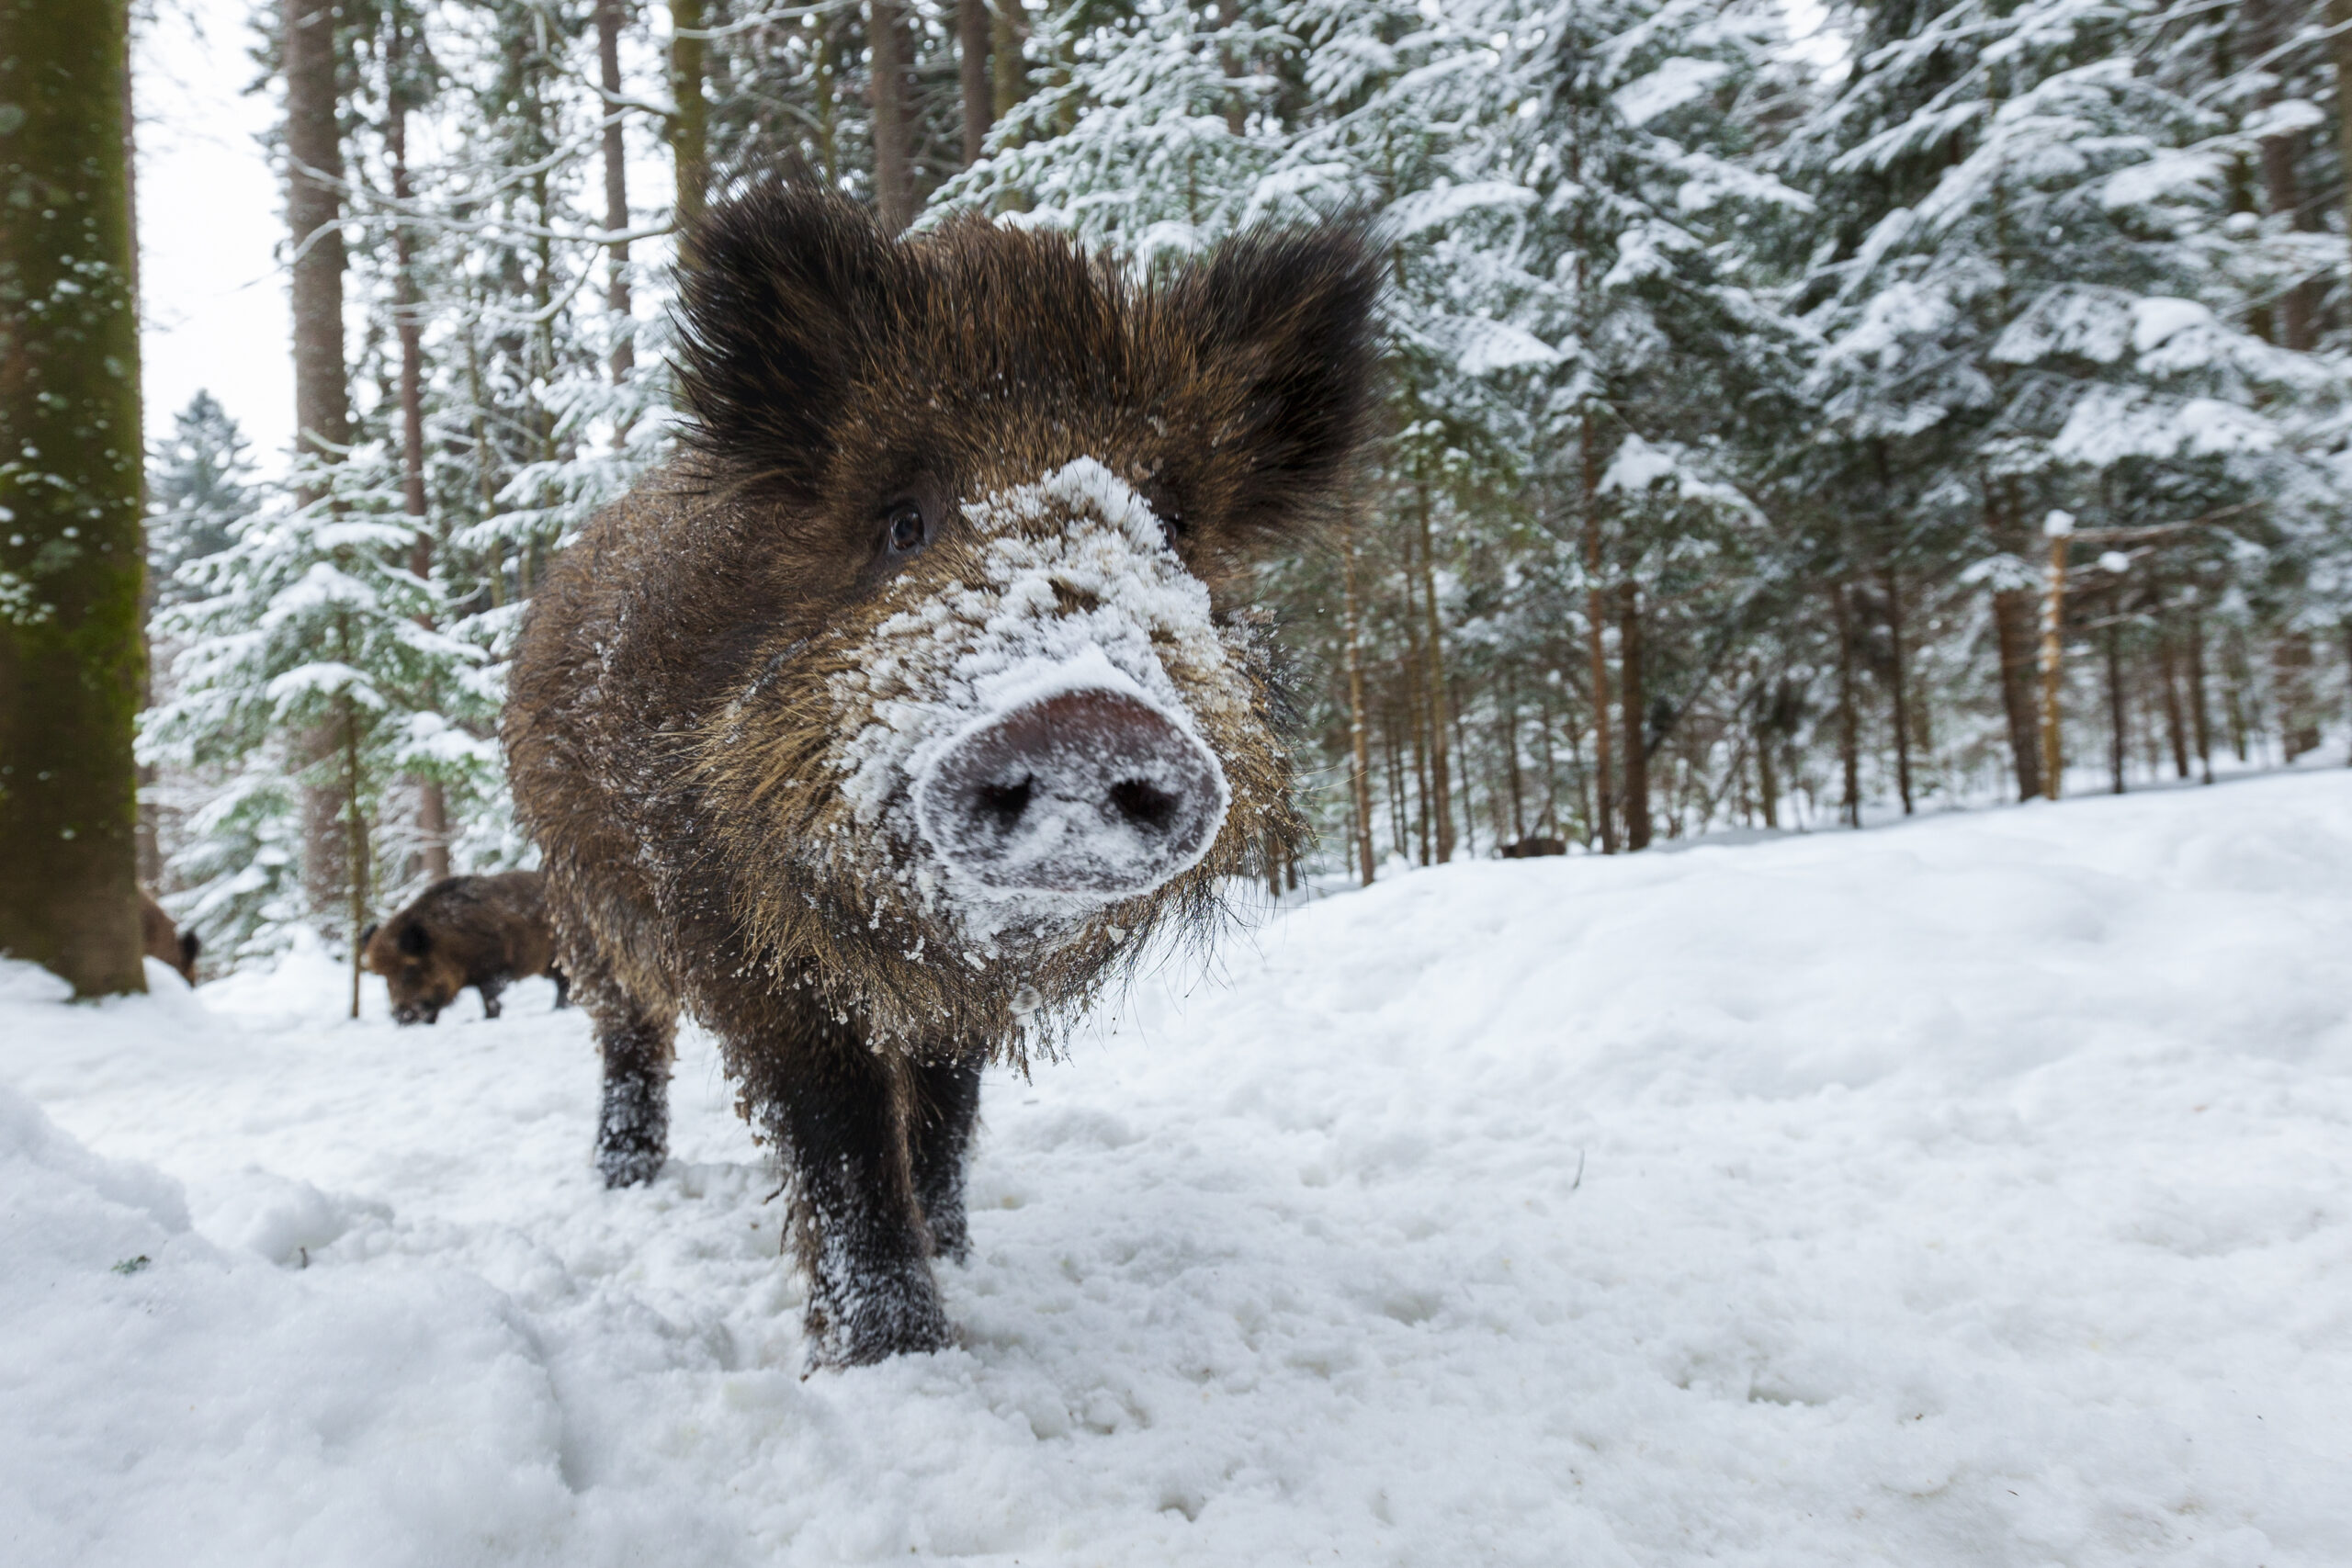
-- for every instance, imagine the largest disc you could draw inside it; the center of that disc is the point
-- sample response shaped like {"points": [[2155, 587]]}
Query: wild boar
{"points": [[882, 725], [160, 937], [483, 932]]}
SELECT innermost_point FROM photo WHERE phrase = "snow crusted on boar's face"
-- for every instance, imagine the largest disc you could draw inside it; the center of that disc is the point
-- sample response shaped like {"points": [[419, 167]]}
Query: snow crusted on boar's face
{"points": [[1033, 718]]}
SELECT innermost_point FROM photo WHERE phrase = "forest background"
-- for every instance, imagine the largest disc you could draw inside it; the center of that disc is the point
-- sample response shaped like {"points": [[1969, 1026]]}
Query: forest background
{"points": [[1773, 436]]}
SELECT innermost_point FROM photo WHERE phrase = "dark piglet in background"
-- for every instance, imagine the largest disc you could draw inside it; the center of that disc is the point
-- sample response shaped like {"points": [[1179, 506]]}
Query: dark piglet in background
{"points": [[483, 932], [1532, 849], [160, 938], [881, 728]]}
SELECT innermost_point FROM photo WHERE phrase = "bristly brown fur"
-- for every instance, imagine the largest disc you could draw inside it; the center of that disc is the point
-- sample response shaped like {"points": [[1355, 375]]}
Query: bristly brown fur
{"points": [[692, 668]]}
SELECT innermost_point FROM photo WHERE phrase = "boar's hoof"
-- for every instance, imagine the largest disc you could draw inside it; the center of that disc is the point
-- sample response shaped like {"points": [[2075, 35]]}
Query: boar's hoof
{"points": [[1089, 791], [876, 1316], [626, 1165]]}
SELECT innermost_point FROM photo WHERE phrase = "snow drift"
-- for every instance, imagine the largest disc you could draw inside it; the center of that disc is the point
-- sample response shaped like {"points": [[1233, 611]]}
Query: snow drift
{"points": [[1971, 1192]]}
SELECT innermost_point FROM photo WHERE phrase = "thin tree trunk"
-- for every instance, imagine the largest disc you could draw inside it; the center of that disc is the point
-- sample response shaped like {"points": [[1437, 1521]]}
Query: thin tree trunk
{"points": [[690, 127], [1636, 801], [1511, 759], [1460, 756], [2339, 19], [1228, 17], [1849, 751], [1009, 29], [1767, 788], [1893, 585], [972, 58], [2200, 713], [356, 847], [432, 811], [2299, 306], [2348, 663], [2119, 737], [611, 16], [1360, 780], [1596, 609], [71, 561], [2168, 680], [894, 191], [1439, 790], [2013, 633], [2054, 648]]}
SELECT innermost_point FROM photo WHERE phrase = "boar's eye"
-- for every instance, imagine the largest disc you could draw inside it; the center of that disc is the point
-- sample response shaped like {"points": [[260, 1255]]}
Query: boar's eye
{"points": [[906, 531]]}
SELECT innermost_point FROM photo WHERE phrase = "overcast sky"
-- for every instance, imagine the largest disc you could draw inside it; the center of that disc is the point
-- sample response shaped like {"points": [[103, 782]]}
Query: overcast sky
{"points": [[209, 219]]}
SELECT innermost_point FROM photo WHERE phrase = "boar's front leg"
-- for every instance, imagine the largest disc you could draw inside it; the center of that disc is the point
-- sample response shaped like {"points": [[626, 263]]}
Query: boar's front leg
{"points": [[637, 1040], [838, 1113], [489, 990], [946, 1100]]}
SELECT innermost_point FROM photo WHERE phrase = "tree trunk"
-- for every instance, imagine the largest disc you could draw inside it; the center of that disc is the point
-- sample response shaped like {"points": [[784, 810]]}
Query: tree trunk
{"points": [[2299, 306], [433, 811], [610, 17], [355, 844], [1009, 29], [972, 57], [1358, 746], [2339, 18], [690, 128], [894, 189], [1511, 760], [2168, 680], [1461, 776], [313, 210], [1893, 585], [1596, 611], [2013, 634], [1636, 801], [1440, 796], [1767, 788], [72, 563], [2119, 737], [2199, 714], [1228, 17], [2054, 648], [1850, 749], [322, 388]]}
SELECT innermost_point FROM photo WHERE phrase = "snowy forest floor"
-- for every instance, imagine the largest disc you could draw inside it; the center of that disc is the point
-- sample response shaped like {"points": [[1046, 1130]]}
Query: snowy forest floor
{"points": [[1978, 1191]]}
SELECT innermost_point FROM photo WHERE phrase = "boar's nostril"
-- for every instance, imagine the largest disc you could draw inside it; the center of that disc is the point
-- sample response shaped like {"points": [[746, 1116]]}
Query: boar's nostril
{"points": [[1139, 800], [1112, 797], [1005, 802]]}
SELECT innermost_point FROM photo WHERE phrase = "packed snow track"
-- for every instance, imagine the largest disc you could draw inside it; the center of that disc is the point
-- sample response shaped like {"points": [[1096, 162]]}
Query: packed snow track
{"points": [[1975, 1192]]}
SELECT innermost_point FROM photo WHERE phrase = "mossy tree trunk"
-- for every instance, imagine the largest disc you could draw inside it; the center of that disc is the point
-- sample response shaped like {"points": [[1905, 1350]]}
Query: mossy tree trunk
{"points": [[71, 558]]}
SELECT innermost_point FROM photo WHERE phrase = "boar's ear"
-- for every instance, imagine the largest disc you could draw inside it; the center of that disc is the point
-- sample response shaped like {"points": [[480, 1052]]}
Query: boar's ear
{"points": [[786, 282], [413, 940], [366, 933], [1289, 312]]}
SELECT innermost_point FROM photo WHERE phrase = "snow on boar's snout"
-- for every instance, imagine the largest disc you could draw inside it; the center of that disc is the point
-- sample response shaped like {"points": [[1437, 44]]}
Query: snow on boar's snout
{"points": [[1046, 728]]}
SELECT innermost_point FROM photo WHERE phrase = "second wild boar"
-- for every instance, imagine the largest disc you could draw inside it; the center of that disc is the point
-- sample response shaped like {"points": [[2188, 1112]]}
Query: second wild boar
{"points": [[483, 932]]}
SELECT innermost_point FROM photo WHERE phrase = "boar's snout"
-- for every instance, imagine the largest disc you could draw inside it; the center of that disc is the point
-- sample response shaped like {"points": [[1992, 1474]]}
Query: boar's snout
{"points": [[1088, 791]]}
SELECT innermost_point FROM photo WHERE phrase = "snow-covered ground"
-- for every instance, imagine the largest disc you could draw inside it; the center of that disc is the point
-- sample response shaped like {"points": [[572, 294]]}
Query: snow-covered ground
{"points": [[1978, 1191]]}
